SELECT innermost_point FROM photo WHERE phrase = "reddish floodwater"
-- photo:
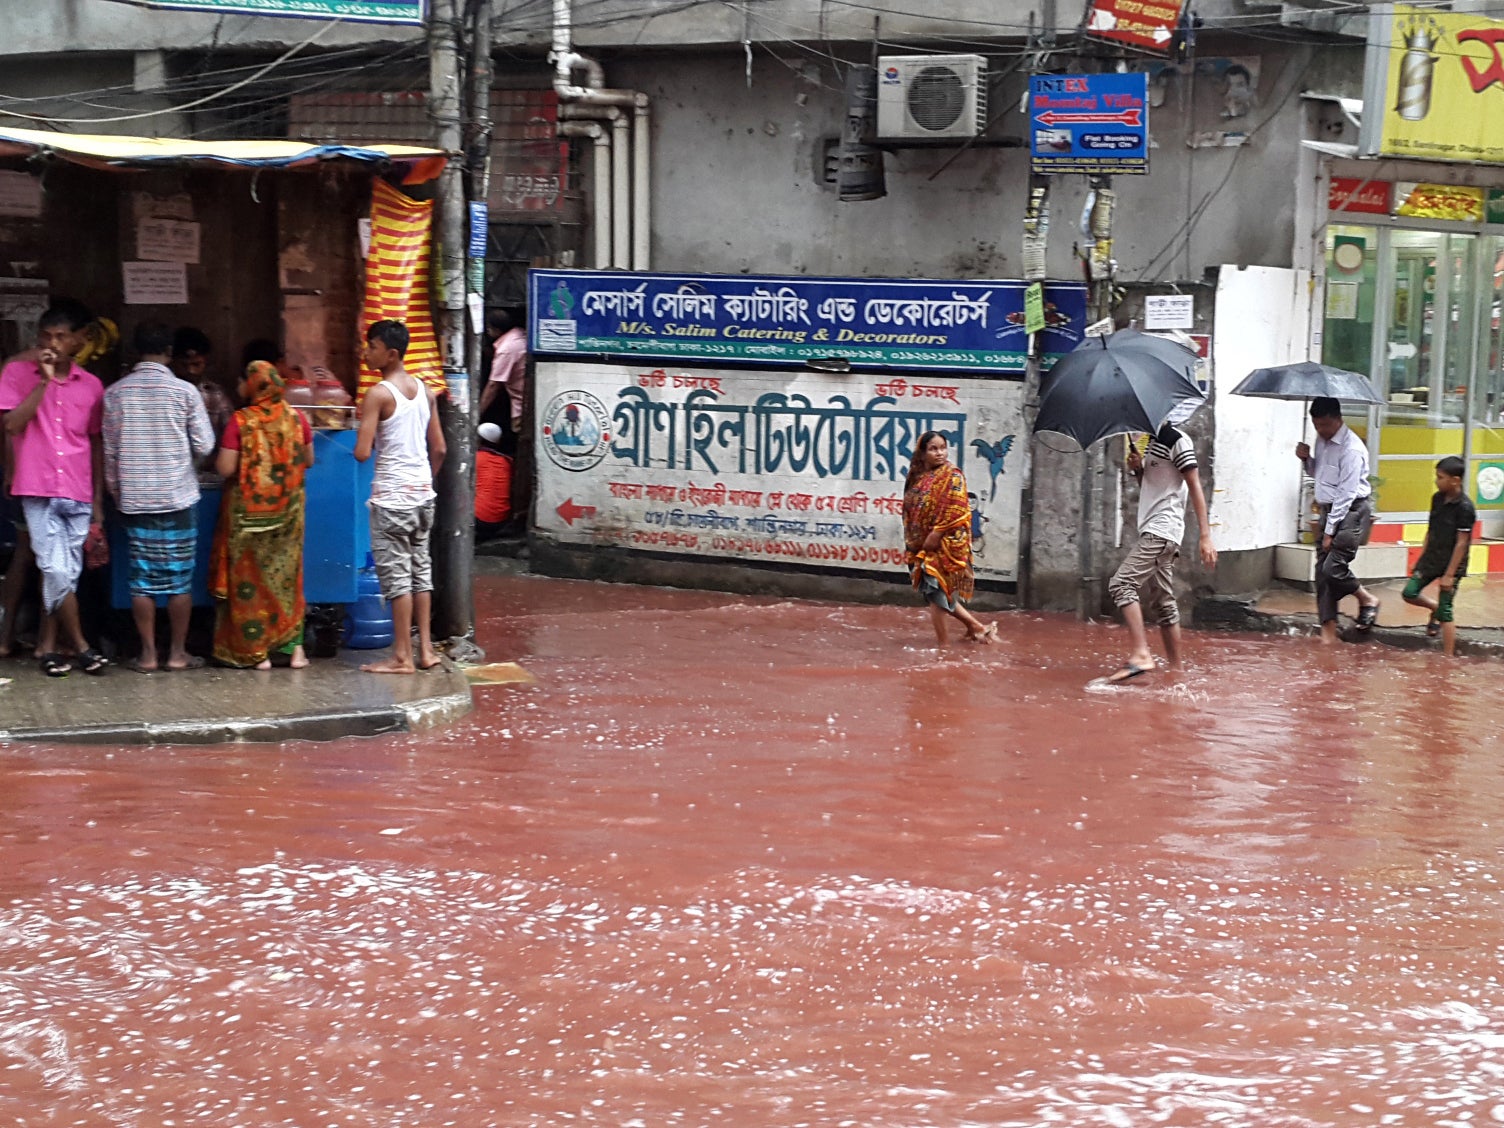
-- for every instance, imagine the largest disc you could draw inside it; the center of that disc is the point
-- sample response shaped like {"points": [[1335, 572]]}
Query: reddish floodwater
{"points": [[745, 862]]}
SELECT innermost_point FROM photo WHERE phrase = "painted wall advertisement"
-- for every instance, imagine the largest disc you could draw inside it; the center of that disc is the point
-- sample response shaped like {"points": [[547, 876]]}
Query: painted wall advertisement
{"points": [[1430, 76], [802, 468], [773, 321]]}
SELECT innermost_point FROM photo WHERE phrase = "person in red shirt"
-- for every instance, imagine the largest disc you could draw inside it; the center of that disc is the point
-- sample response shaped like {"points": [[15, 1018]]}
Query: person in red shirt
{"points": [[493, 482]]}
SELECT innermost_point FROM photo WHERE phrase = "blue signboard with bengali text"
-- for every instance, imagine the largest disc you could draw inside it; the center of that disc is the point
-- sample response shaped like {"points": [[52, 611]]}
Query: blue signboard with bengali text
{"points": [[1096, 124], [357, 11], [768, 321]]}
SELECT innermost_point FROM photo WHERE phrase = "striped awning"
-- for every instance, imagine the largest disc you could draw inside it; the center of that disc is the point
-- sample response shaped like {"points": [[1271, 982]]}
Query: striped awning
{"points": [[119, 151]]}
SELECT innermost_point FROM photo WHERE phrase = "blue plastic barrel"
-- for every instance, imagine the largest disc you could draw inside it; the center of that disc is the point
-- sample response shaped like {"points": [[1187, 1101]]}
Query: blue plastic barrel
{"points": [[368, 626]]}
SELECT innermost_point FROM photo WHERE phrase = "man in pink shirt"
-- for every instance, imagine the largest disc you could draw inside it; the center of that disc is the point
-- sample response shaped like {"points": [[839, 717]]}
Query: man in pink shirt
{"points": [[53, 415], [508, 365]]}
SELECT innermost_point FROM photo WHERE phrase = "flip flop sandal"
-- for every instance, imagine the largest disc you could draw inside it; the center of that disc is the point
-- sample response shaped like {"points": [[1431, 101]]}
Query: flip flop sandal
{"points": [[1367, 616], [194, 663], [1128, 673], [93, 663], [55, 665], [1433, 628]]}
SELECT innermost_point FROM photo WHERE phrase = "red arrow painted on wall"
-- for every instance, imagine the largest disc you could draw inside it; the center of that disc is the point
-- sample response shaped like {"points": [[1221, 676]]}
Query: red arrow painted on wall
{"points": [[571, 512]]}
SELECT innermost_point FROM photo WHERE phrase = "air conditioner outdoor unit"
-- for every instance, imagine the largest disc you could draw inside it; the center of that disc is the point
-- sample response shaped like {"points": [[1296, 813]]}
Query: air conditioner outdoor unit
{"points": [[931, 97]]}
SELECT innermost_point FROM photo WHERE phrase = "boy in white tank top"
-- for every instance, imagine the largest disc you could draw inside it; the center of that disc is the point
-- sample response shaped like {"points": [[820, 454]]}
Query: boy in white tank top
{"points": [[399, 420]]}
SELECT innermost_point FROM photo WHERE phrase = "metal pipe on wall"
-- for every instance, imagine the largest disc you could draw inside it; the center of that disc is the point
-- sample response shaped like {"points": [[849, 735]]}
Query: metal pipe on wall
{"points": [[642, 188], [600, 233], [629, 206]]}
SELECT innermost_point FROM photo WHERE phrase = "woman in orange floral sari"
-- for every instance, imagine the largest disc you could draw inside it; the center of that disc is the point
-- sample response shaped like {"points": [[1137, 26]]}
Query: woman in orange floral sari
{"points": [[257, 569], [937, 537]]}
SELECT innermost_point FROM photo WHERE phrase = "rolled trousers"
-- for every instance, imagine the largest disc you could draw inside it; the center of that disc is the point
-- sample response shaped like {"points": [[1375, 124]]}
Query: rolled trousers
{"points": [[1334, 575]]}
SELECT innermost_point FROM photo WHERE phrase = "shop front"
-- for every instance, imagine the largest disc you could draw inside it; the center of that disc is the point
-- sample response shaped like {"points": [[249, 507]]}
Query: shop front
{"points": [[1413, 249], [242, 241], [1414, 289]]}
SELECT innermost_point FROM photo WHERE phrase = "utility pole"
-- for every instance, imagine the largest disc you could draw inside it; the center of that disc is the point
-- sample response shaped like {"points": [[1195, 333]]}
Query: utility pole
{"points": [[478, 168], [454, 520], [1094, 516]]}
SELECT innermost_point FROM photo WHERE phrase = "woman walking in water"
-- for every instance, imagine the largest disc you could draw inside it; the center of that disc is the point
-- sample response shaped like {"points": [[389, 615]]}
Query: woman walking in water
{"points": [[937, 537]]}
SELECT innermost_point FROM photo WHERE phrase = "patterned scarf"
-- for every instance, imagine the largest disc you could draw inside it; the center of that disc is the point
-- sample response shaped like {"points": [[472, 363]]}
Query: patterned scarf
{"points": [[273, 456], [937, 503]]}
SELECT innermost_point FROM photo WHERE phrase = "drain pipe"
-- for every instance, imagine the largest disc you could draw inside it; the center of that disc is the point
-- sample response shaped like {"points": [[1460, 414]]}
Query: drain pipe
{"points": [[610, 167], [642, 188], [601, 163], [631, 235]]}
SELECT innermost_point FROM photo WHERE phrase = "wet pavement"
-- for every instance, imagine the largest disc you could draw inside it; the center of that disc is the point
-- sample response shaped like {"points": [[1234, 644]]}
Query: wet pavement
{"points": [[748, 862]]}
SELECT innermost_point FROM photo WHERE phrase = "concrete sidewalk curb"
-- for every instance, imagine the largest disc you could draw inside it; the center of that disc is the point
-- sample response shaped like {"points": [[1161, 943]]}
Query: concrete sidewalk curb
{"points": [[330, 701], [1241, 613]]}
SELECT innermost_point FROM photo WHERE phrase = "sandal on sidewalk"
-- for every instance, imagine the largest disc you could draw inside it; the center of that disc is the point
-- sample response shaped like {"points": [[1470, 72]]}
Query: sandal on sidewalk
{"points": [[92, 662], [55, 665], [1367, 616], [1433, 627]]}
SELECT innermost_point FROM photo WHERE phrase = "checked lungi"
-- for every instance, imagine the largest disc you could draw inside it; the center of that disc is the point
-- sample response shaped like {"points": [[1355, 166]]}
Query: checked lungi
{"points": [[163, 548]]}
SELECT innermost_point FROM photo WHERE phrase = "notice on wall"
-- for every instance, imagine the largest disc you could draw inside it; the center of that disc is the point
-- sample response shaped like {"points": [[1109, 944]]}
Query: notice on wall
{"points": [[805, 469], [155, 283], [167, 240], [1169, 311], [148, 205], [1341, 301], [20, 195]]}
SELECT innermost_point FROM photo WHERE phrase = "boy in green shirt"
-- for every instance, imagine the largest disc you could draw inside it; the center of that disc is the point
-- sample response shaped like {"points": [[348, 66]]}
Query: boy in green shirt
{"points": [[1444, 559]]}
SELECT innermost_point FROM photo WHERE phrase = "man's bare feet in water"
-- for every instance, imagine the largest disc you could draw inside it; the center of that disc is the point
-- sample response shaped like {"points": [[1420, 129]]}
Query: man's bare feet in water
{"points": [[390, 666]]}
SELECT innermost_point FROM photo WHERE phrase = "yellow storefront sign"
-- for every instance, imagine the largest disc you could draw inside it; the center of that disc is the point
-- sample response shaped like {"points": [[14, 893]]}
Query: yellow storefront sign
{"points": [[1439, 201], [1434, 85]]}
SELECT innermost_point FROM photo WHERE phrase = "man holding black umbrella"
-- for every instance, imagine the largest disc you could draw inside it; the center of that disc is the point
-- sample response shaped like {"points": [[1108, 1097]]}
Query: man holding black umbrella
{"points": [[1339, 466], [1168, 474]]}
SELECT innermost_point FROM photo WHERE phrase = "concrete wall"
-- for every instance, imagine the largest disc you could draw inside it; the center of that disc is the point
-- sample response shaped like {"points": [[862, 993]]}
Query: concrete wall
{"points": [[1263, 318], [736, 179], [65, 26]]}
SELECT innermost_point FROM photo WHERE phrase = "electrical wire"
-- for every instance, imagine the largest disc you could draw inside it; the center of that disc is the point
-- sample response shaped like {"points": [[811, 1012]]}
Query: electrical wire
{"points": [[1187, 228], [289, 53]]}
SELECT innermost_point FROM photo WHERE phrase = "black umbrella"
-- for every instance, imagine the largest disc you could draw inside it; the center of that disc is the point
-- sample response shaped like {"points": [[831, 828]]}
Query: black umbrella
{"points": [[1123, 383], [1307, 380]]}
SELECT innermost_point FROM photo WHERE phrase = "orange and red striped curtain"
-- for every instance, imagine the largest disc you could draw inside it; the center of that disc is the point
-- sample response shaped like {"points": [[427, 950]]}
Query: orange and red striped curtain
{"points": [[397, 273]]}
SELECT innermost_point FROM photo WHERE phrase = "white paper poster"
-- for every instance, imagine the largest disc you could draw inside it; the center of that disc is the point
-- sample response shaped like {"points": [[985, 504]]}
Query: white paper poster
{"points": [[1169, 311], [1342, 301], [167, 240], [155, 283], [20, 195], [145, 205], [790, 468]]}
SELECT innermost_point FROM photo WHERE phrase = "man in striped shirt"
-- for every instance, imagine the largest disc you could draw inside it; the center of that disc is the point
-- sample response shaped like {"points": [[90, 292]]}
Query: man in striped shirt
{"points": [[1167, 474], [155, 430]]}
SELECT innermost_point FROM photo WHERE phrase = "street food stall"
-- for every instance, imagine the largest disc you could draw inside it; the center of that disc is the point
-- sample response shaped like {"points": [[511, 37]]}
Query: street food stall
{"points": [[244, 241]]}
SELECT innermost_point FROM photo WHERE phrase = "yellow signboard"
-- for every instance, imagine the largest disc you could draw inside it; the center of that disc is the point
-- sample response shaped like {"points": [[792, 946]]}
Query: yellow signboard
{"points": [[1434, 86], [1439, 201]]}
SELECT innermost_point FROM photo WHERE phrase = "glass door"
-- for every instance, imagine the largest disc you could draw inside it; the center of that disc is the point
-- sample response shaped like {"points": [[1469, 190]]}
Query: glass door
{"points": [[1430, 342], [1485, 480]]}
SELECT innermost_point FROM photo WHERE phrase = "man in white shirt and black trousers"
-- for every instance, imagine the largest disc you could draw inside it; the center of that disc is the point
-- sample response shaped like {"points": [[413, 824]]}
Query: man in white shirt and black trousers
{"points": [[1339, 466]]}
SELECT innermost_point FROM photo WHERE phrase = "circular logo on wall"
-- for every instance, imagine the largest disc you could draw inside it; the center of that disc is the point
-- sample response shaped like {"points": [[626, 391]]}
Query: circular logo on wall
{"points": [[576, 430]]}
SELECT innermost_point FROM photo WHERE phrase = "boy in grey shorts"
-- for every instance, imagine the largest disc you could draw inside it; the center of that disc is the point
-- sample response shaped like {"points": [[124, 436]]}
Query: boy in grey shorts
{"points": [[1167, 472], [398, 419]]}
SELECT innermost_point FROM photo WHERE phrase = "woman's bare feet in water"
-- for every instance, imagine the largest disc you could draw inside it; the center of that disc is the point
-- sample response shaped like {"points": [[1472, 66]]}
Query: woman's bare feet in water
{"points": [[299, 659]]}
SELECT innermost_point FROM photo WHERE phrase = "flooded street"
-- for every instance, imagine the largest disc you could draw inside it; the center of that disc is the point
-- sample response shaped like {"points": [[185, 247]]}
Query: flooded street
{"points": [[748, 862]]}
